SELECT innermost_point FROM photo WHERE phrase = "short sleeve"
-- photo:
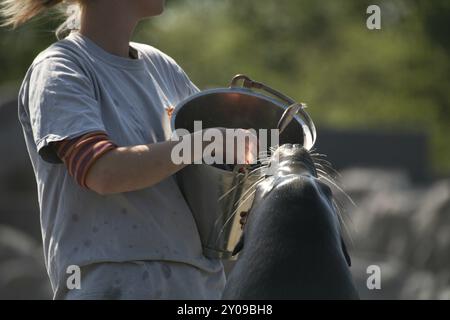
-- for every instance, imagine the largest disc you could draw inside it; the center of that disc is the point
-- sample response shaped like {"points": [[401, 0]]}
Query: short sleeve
{"points": [[61, 104], [184, 84]]}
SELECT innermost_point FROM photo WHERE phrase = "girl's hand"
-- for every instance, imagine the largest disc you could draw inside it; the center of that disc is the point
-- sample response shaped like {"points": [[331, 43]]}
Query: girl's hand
{"points": [[239, 146]]}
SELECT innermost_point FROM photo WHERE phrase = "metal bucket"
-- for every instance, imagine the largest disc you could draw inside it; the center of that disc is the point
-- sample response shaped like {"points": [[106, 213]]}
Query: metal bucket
{"points": [[256, 106]]}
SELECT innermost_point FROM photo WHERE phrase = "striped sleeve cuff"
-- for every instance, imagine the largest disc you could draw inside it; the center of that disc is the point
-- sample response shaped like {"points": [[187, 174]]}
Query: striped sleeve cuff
{"points": [[80, 154]]}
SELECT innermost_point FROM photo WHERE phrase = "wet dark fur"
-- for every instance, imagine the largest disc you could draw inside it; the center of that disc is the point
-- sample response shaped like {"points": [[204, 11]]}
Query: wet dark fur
{"points": [[292, 246]]}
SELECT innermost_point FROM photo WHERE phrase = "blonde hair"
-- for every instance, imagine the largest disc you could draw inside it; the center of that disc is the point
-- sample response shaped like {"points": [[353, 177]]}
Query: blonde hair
{"points": [[17, 12]]}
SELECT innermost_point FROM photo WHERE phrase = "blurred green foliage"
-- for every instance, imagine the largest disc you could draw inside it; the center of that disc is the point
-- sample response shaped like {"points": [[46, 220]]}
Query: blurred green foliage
{"points": [[319, 52]]}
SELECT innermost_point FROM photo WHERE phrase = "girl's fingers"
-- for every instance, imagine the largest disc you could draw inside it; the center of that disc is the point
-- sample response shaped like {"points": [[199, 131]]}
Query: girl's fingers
{"points": [[252, 152], [245, 144], [246, 147]]}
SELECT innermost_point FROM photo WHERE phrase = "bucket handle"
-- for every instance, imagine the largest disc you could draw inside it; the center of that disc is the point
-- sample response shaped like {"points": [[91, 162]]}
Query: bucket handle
{"points": [[251, 84], [309, 129]]}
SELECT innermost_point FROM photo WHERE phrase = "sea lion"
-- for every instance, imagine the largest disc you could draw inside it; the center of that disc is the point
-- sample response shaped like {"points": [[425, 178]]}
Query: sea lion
{"points": [[291, 247]]}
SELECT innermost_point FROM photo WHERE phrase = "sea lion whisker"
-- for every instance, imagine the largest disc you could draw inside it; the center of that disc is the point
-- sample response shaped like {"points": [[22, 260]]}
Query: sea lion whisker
{"points": [[247, 198], [339, 212], [229, 191], [324, 174], [327, 165], [263, 159], [336, 185], [233, 214], [258, 169], [344, 212], [265, 153], [339, 209], [249, 189], [316, 154], [252, 190], [324, 170], [252, 173], [344, 226], [323, 161], [340, 189], [244, 201]]}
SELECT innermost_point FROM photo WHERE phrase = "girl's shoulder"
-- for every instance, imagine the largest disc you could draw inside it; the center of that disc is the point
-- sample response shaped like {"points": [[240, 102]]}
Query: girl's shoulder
{"points": [[61, 52], [61, 48]]}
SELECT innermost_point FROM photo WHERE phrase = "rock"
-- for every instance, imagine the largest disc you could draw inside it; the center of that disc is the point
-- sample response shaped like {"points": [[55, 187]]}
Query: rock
{"points": [[432, 228], [403, 227], [22, 271]]}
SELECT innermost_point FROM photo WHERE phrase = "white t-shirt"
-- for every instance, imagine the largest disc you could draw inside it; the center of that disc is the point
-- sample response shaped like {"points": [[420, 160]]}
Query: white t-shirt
{"points": [[75, 87]]}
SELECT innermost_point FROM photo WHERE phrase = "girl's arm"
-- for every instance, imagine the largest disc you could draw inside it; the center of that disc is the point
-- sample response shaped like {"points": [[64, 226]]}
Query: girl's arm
{"points": [[132, 168]]}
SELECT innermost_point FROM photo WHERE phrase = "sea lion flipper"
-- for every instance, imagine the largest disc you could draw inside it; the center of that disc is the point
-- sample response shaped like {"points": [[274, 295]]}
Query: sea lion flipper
{"points": [[346, 255], [239, 246]]}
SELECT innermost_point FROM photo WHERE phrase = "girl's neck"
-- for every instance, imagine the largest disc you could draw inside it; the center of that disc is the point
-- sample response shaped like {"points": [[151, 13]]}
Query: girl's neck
{"points": [[111, 29]]}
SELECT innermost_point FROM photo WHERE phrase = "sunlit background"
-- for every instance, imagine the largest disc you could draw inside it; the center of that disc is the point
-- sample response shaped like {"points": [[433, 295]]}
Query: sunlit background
{"points": [[380, 100]]}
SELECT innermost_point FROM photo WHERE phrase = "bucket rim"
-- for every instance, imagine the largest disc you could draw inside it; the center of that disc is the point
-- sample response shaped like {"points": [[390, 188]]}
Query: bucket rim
{"points": [[309, 134], [240, 90]]}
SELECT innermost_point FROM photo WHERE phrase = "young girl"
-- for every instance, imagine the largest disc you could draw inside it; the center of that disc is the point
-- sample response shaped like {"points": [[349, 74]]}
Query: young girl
{"points": [[95, 114]]}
